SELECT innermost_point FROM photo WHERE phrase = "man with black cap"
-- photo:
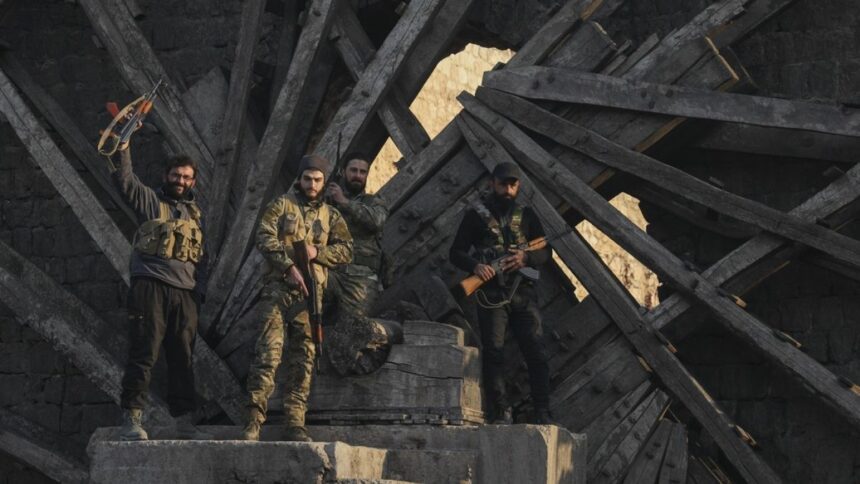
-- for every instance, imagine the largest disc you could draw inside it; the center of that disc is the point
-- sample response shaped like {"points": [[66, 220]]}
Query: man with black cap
{"points": [[352, 288], [493, 228], [300, 214]]}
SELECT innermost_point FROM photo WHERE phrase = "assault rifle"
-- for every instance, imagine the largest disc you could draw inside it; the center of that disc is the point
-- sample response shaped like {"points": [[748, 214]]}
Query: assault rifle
{"points": [[471, 284], [303, 264], [126, 121]]}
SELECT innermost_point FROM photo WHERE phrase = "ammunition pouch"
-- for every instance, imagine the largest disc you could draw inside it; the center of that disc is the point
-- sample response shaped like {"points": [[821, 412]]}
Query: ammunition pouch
{"points": [[177, 239]]}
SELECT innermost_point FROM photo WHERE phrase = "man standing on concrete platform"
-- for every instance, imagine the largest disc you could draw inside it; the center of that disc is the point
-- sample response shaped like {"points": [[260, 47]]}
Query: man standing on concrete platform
{"points": [[494, 228], [167, 283], [299, 215], [352, 288]]}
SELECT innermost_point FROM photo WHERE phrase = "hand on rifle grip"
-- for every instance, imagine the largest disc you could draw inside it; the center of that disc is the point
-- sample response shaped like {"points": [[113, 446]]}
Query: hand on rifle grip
{"points": [[294, 278], [484, 271]]}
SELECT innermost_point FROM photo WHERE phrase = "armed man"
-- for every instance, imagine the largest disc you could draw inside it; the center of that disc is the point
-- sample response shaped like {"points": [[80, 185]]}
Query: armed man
{"points": [[167, 283], [497, 229], [299, 216], [352, 288]]}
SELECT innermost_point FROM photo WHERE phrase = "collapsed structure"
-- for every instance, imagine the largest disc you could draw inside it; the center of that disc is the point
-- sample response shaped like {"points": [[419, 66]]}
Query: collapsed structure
{"points": [[583, 116]]}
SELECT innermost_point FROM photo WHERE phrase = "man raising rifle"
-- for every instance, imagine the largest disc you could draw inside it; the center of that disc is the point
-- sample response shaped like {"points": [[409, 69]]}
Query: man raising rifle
{"points": [[495, 227], [300, 215]]}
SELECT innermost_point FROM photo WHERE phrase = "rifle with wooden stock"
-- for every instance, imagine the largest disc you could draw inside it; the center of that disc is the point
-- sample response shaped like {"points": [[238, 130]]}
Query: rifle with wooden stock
{"points": [[303, 264], [474, 282]]}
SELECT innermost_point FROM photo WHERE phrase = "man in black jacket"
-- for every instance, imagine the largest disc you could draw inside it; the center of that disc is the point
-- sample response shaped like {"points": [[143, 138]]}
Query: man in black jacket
{"points": [[167, 281], [493, 229]]}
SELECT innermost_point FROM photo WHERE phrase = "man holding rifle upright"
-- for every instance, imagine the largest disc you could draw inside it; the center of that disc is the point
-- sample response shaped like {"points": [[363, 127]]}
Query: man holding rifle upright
{"points": [[298, 217], [500, 231]]}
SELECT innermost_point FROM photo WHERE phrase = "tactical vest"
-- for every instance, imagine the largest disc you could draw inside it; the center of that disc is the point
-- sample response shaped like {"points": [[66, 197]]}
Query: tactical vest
{"points": [[499, 238], [171, 238], [295, 225]]}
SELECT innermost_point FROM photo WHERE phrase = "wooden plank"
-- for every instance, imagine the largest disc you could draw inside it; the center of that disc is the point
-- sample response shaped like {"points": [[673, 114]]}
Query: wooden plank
{"points": [[646, 466], [758, 13], [409, 178], [674, 468], [587, 47], [270, 157], [643, 50], [677, 181], [356, 50], [612, 296], [550, 35], [286, 48], [611, 463], [434, 197], [778, 142], [377, 79], [39, 448], [669, 268], [62, 320], [553, 84], [62, 123], [140, 69], [712, 17], [65, 178], [614, 416], [229, 149]]}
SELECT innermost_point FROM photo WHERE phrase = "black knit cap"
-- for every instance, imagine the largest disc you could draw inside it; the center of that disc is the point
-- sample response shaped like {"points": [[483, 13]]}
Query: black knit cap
{"points": [[314, 162], [507, 171]]}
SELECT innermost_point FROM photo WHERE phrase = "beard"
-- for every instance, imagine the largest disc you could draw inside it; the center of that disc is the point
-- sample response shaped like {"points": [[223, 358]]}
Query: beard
{"points": [[503, 203], [175, 190], [355, 187]]}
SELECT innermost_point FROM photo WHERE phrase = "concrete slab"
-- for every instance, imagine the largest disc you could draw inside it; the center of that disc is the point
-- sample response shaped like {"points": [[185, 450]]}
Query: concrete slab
{"points": [[481, 454]]}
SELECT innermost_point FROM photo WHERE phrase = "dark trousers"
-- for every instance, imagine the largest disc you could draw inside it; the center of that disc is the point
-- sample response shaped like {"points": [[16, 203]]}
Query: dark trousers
{"points": [[159, 313], [524, 319]]}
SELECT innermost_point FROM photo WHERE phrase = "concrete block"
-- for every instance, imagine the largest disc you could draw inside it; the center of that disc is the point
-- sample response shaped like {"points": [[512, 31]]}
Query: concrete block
{"points": [[368, 453]]}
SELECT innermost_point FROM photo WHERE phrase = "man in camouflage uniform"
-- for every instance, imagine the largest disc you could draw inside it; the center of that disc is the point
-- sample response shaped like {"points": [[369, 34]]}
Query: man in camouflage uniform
{"points": [[300, 214], [352, 288]]}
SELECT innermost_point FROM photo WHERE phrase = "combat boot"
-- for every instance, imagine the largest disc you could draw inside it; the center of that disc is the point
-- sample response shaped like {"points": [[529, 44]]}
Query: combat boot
{"points": [[131, 427], [252, 428], [186, 430], [503, 415], [297, 434]]}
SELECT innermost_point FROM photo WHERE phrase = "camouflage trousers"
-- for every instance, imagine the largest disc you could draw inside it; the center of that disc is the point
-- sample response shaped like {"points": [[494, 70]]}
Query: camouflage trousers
{"points": [[350, 293], [283, 312]]}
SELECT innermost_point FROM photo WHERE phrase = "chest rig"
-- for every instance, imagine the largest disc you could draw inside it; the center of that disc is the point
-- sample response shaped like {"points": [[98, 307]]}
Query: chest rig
{"points": [[311, 224], [499, 237], [171, 238]]}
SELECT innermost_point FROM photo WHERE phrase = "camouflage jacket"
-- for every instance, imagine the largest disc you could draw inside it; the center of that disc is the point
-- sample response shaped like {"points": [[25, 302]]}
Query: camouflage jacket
{"points": [[293, 217], [365, 215]]}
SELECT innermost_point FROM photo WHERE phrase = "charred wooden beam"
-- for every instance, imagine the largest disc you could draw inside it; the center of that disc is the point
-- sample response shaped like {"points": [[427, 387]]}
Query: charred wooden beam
{"points": [[140, 69], [779, 142], [377, 80], [646, 464], [562, 23], [48, 107], [673, 179], [286, 49], [282, 125], [227, 155], [615, 300], [598, 211], [356, 50], [65, 178], [758, 13], [39, 448], [554, 84]]}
